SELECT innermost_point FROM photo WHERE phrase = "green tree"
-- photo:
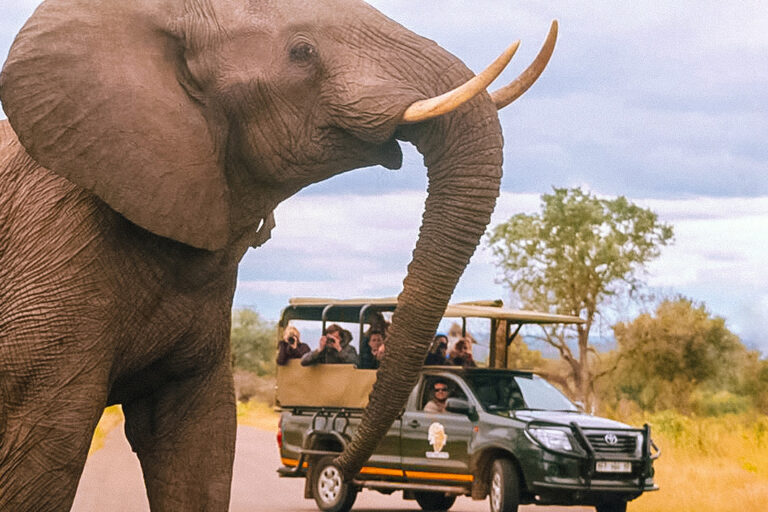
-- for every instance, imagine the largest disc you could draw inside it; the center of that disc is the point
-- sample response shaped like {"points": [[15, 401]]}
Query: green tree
{"points": [[679, 354], [753, 381], [570, 258], [253, 342]]}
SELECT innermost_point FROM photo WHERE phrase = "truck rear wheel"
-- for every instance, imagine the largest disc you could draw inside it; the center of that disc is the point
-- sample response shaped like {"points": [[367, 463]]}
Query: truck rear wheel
{"points": [[436, 501], [331, 492], [505, 486]]}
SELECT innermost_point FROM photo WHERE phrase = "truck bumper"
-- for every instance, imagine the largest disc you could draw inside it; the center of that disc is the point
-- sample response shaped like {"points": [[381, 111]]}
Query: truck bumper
{"points": [[579, 493], [595, 485]]}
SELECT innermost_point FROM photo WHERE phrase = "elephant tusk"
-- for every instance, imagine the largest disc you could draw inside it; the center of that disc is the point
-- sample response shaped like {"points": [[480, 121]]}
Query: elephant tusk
{"points": [[515, 89], [424, 110]]}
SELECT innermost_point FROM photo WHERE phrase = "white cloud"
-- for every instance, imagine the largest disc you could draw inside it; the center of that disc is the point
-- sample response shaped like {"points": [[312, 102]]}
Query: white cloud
{"points": [[709, 207], [352, 285], [350, 223], [643, 99], [721, 243], [718, 256]]}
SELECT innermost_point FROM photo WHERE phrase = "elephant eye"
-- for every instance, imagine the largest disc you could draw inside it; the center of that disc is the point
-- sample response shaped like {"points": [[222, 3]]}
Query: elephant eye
{"points": [[302, 52]]}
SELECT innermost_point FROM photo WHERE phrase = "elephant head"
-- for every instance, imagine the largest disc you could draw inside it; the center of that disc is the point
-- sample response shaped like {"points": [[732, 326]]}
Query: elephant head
{"points": [[194, 119]]}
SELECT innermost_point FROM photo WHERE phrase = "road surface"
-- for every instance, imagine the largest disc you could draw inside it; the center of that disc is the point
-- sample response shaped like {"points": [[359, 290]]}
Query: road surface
{"points": [[112, 481]]}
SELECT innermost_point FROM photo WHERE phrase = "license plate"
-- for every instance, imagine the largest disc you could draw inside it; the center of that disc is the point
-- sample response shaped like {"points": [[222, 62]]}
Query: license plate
{"points": [[610, 466]]}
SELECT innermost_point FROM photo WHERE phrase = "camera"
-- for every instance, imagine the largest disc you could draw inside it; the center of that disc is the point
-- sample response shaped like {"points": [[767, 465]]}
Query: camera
{"points": [[292, 340]]}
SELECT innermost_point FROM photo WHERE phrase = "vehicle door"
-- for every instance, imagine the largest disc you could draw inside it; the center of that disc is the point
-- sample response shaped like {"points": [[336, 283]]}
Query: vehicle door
{"points": [[385, 463], [435, 445]]}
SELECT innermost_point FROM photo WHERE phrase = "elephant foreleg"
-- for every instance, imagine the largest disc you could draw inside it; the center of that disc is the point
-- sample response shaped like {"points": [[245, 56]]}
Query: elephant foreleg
{"points": [[44, 442], [184, 436]]}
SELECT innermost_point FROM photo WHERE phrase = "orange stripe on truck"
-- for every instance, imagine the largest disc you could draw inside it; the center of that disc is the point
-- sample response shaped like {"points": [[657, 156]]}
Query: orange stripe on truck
{"points": [[291, 462], [371, 470], [439, 476], [368, 470]]}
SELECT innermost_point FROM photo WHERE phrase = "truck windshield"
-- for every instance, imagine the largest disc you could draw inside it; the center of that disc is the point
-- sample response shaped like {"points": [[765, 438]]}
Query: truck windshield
{"points": [[502, 393]]}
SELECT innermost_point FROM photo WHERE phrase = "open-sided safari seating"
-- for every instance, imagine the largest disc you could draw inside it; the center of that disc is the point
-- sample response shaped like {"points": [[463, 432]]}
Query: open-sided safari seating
{"points": [[343, 385]]}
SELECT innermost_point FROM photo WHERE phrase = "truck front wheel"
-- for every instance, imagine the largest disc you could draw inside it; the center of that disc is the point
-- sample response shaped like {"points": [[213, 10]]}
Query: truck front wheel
{"points": [[436, 501], [612, 506], [331, 492], [505, 486]]}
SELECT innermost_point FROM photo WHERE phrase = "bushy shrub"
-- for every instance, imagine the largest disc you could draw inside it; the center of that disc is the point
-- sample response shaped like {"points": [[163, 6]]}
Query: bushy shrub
{"points": [[249, 386], [682, 357], [719, 403], [254, 342], [671, 425]]}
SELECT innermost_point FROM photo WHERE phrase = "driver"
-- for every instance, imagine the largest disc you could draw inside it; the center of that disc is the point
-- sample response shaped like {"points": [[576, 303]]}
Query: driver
{"points": [[440, 396]]}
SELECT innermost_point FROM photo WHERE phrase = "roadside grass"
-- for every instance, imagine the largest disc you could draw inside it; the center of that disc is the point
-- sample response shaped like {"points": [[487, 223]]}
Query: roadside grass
{"points": [[255, 413], [708, 464]]}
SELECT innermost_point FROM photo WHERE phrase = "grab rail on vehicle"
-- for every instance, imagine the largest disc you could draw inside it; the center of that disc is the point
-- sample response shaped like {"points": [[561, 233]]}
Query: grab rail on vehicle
{"points": [[330, 417]]}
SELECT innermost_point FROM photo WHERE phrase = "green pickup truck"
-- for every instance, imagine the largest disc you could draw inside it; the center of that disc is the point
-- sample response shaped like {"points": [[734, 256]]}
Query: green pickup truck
{"points": [[504, 434]]}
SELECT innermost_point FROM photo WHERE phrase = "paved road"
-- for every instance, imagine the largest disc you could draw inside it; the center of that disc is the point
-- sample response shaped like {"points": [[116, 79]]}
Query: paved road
{"points": [[112, 481]]}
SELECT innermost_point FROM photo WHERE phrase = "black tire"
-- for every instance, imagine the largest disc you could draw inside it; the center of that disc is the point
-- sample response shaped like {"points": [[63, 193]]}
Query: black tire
{"points": [[504, 486], [612, 506], [434, 501], [331, 492]]}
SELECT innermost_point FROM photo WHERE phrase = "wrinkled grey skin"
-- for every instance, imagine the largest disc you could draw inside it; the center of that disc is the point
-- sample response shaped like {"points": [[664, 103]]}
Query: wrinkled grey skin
{"points": [[148, 142]]}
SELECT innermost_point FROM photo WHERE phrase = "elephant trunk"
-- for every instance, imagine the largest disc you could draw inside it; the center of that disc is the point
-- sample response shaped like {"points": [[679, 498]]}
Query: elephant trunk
{"points": [[463, 154]]}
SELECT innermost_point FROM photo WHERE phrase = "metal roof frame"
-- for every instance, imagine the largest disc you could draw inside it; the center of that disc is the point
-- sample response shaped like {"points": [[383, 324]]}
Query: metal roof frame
{"points": [[354, 310]]}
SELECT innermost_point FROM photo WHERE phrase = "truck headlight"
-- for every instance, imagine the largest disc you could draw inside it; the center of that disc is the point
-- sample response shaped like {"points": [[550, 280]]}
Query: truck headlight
{"points": [[552, 439]]}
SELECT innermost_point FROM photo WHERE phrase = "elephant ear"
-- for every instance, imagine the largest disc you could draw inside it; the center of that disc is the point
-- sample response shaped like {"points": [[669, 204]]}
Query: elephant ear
{"points": [[92, 90]]}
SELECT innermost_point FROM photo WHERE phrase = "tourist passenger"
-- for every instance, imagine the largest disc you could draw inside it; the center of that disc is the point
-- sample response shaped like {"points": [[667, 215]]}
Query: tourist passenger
{"points": [[371, 359], [291, 347], [461, 354], [439, 397], [372, 344], [437, 351], [334, 348], [455, 333]]}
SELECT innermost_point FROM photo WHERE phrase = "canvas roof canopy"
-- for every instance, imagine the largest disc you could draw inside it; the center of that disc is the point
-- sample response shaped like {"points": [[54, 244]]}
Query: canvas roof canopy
{"points": [[343, 385], [355, 310]]}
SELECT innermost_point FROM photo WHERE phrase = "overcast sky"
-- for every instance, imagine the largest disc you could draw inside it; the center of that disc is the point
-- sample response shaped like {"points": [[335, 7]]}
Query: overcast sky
{"points": [[665, 103]]}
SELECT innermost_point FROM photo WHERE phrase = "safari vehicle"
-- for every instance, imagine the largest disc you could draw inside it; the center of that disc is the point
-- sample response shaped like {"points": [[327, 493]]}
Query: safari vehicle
{"points": [[506, 434]]}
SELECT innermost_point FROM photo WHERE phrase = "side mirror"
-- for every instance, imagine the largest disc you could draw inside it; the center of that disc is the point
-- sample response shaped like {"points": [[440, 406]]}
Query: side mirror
{"points": [[461, 406]]}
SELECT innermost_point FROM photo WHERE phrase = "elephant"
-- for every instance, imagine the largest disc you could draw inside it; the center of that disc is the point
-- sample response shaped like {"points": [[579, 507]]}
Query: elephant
{"points": [[147, 145]]}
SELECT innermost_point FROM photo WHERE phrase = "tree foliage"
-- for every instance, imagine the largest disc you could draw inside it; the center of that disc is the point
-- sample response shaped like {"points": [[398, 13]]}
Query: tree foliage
{"points": [[683, 357], [682, 340], [569, 258], [253, 342]]}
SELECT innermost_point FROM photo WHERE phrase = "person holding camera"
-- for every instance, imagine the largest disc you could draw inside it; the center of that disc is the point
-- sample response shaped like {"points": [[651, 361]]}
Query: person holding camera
{"points": [[371, 359], [291, 347], [461, 354], [437, 351], [334, 348]]}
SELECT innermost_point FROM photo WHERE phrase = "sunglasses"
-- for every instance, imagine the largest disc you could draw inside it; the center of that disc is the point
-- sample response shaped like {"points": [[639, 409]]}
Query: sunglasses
{"points": [[441, 389]]}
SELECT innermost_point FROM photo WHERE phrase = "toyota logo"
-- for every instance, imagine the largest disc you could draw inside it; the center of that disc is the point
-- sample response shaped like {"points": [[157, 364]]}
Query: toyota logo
{"points": [[611, 439]]}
